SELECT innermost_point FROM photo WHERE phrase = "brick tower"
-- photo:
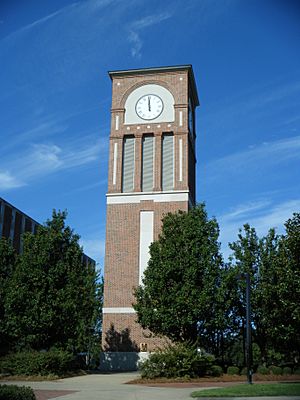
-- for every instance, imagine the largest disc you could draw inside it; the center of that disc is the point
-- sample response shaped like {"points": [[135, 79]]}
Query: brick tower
{"points": [[151, 172]]}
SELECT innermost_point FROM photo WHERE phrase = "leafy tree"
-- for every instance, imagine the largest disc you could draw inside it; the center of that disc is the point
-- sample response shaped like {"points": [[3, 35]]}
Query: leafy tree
{"points": [[176, 299], [223, 327], [256, 257], [53, 297], [274, 267], [284, 316], [7, 264]]}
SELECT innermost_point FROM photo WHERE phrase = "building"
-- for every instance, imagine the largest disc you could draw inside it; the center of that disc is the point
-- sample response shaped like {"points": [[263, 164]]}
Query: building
{"points": [[13, 223], [151, 172]]}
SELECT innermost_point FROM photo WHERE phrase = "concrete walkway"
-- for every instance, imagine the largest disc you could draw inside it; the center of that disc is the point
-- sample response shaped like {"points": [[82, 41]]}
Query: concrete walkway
{"points": [[112, 387]]}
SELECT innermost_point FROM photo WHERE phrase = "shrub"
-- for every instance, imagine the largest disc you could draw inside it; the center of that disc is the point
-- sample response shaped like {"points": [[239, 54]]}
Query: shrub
{"points": [[244, 371], [287, 370], [297, 371], [275, 370], [233, 371], [216, 370], [38, 363], [261, 369], [13, 392], [175, 361]]}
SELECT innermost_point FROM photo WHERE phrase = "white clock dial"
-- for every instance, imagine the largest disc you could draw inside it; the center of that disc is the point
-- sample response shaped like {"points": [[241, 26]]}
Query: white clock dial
{"points": [[149, 106]]}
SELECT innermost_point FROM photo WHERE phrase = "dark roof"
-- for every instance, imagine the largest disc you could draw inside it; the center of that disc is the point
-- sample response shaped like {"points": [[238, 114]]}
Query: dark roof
{"points": [[150, 70]]}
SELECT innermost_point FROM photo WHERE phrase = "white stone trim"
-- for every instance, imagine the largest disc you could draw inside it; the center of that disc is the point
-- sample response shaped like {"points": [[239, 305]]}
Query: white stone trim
{"points": [[157, 197], [146, 238], [115, 163], [117, 122], [118, 310], [180, 160], [180, 118]]}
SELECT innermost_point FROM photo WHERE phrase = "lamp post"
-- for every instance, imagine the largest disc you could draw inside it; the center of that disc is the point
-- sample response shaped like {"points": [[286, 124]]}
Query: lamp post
{"points": [[246, 276]]}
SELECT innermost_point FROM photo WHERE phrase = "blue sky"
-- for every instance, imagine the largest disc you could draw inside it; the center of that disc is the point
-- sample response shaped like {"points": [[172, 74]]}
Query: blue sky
{"points": [[55, 103]]}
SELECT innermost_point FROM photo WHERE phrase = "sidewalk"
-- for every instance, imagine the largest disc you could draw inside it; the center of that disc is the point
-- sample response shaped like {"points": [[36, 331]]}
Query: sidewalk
{"points": [[112, 387]]}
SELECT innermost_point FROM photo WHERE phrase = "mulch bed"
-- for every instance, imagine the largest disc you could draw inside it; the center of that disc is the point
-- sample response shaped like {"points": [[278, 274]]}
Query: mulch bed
{"points": [[223, 381], [51, 394]]}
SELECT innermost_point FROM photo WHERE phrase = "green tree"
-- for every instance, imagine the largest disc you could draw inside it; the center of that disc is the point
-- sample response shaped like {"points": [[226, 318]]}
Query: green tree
{"points": [[176, 299], [7, 264], [257, 257], [284, 316], [53, 297], [274, 267], [244, 259]]}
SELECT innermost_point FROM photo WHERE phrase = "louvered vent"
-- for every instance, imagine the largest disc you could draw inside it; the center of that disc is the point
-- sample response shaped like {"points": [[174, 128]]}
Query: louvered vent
{"points": [[148, 163], [128, 164], [168, 162]]}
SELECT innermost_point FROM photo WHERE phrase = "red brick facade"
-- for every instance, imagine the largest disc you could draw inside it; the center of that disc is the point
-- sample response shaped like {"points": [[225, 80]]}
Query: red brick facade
{"points": [[123, 209]]}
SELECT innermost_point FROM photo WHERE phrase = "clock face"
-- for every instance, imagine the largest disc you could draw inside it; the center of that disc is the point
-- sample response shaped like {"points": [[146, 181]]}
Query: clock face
{"points": [[149, 106]]}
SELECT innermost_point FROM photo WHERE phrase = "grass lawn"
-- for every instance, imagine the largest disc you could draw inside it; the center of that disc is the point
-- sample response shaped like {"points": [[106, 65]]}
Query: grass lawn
{"points": [[245, 390]]}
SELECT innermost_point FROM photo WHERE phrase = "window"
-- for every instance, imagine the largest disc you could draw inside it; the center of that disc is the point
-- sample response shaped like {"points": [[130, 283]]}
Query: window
{"points": [[148, 163], [167, 161], [128, 164]]}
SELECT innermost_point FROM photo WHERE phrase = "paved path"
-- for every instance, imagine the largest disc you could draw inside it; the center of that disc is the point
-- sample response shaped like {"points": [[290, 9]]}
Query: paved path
{"points": [[112, 387], [104, 387]]}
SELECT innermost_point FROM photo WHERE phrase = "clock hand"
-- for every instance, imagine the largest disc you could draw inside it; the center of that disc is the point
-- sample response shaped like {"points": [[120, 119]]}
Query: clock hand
{"points": [[149, 106]]}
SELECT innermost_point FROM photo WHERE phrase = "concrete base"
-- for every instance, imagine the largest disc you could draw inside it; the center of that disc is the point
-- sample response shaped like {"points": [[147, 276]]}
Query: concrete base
{"points": [[121, 361]]}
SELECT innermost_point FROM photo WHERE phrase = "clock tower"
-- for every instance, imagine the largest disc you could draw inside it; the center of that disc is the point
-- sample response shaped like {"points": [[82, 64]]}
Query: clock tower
{"points": [[151, 172]]}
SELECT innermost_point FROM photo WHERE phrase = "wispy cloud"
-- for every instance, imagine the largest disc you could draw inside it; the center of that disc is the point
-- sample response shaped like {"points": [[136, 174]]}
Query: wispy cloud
{"points": [[136, 44], [86, 188], [262, 156], [137, 26], [49, 158], [264, 103], [45, 159], [262, 215], [277, 94], [244, 210], [34, 24], [76, 7], [42, 128], [7, 181]]}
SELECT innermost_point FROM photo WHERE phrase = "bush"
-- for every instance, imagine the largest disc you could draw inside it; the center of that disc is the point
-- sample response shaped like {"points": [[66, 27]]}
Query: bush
{"points": [[297, 371], [216, 370], [175, 361], [233, 371], [287, 370], [275, 370], [244, 371], [12, 392], [261, 369], [38, 363]]}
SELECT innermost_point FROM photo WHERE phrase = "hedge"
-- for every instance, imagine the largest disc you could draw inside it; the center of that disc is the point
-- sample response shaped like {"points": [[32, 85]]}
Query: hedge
{"points": [[216, 370], [261, 369], [55, 362], [275, 370], [13, 392], [175, 361], [287, 370], [233, 371]]}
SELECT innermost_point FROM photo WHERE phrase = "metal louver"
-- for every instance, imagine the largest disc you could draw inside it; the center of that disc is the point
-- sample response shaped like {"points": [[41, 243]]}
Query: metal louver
{"points": [[128, 164], [148, 164], [168, 162]]}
